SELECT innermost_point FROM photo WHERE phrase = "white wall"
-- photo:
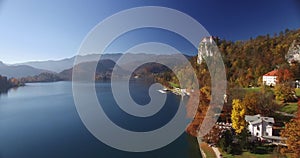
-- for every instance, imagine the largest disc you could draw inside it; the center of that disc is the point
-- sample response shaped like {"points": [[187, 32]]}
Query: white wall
{"points": [[250, 128], [261, 131], [269, 130], [269, 80]]}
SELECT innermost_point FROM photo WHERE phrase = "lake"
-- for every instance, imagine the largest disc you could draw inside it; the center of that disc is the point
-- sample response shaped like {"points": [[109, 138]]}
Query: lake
{"points": [[40, 120]]}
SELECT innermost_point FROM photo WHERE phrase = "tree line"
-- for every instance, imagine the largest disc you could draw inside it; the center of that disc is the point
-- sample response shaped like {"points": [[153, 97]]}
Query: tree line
{"points": [[6, 84]]}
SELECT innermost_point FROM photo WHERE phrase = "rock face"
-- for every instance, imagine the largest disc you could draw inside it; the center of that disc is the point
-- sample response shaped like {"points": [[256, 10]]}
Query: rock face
{"points": [[293, 54], [206, 48]]}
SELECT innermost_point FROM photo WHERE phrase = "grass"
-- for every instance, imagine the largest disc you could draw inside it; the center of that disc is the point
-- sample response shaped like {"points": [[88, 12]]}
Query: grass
{"points": [[174, 84], [290, 108], [297, 90], [252, 89], [208, 150], [257, 89], [247, 155]]}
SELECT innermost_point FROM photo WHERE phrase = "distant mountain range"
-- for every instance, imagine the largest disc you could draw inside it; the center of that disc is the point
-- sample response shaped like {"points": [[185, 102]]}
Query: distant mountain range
{"points": [[62, 69], [104, 70], [61, 65], [18, 71], [127, 59]]}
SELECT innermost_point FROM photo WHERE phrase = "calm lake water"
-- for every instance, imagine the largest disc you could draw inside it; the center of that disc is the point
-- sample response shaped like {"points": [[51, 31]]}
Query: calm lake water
{"points": [[40, 121]]}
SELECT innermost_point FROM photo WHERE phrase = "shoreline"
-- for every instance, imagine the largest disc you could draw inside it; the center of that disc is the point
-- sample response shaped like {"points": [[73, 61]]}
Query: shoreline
{"points": [[177, 91]]}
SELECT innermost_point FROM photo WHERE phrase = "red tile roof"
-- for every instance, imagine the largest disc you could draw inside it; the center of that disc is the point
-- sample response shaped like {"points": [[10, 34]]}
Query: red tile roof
{"points": [[272, 73]]}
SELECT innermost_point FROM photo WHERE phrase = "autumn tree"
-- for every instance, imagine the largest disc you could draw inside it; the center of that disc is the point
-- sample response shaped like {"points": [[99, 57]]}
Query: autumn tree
{"points": [[6, 84], [214, 135], [232, 93], [284, 92], [295, 69], [238, 115], [284, 75], [202, 109], [292, 133], [260, 103], [246, 61]]}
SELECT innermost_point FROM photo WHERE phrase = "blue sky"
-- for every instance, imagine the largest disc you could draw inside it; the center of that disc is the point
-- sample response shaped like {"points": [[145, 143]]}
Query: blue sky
{"points": [[43, 30]]}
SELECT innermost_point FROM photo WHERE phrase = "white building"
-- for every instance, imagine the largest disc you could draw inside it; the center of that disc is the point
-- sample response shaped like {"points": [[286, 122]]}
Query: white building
{"points": [[270, 78], [260, 126]]}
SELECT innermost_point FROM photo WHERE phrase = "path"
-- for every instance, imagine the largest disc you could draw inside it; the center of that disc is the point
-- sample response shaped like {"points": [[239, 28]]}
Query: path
{"points": [[285, 114], [217, 152], [215, 149], [199, 143]]}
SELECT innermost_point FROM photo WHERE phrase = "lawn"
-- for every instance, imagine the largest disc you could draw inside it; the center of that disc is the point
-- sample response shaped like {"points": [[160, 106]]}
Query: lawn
{"points": [[297, 92], [290, 108], [247, 155], [252, 89], [208, 150], [257, 89], [174, 84]]}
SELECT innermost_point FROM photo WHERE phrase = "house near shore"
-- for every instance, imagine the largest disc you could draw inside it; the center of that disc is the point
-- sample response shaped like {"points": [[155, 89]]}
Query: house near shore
{"points": [[260, 126], [270, 78]]}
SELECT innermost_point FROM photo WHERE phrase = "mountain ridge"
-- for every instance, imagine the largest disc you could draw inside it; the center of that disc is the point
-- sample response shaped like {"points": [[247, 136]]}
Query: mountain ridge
{"points": [[19, 71], [67, 63]]}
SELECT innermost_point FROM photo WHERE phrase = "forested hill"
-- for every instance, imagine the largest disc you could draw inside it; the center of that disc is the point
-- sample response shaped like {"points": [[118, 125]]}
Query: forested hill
{"points": [[246, 61], [6, 84]]}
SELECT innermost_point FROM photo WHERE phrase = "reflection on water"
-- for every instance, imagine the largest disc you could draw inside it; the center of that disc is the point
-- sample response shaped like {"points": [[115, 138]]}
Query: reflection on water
{"points": [[40, 120], [3, 91]]}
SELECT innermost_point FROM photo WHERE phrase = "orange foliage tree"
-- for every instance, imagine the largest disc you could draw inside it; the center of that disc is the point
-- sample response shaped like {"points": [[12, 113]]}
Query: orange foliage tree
{"points": [[292, 133]]}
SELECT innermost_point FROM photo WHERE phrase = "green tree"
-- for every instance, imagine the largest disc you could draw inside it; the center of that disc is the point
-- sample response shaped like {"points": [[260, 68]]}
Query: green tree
{"points": [[226, 141]]}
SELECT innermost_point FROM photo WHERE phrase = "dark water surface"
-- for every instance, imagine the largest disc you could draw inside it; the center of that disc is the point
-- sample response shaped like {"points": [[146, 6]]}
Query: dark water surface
{"points": [[40, 121]]}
